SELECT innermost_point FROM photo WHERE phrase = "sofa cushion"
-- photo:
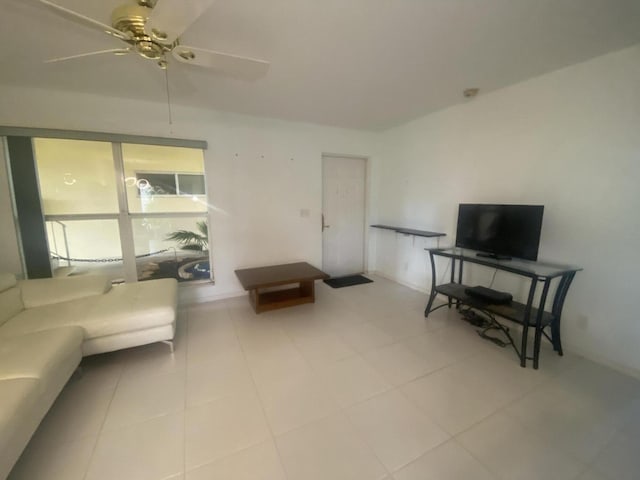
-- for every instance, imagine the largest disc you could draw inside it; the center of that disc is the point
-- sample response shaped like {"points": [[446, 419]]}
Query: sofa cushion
{"points": [[10, 304], [48, 291], [18, 398], [10, 300], [7, 281], [47, 355], [125, 308]]}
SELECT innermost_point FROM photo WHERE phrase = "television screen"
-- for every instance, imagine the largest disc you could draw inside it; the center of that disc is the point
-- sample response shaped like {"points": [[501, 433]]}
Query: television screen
{"points": [[502, 230]]}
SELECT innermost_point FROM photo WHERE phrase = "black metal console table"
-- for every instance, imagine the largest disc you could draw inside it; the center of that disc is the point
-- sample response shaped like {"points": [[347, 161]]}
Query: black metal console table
{"points": [[524, 314]]}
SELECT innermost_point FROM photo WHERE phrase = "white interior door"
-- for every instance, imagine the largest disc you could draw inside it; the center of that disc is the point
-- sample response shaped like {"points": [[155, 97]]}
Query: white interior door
{"points": [[343, 207]]}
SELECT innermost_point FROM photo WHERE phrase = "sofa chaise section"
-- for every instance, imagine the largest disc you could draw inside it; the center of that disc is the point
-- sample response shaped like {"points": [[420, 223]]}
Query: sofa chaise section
{"points": [[33, 370], [47, 325], [112, 318]]}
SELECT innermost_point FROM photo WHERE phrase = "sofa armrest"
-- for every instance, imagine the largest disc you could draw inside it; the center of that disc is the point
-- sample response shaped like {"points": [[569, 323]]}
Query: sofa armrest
{"points": [[47, 291]]}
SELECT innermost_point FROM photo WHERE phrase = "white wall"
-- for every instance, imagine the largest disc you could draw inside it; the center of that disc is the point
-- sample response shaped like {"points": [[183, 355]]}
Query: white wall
{"points": [[260, 173], [569, 140]]}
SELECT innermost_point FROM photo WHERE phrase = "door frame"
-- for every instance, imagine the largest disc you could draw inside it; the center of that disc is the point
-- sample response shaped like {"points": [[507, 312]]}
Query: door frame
{"points": [[367, 191]]}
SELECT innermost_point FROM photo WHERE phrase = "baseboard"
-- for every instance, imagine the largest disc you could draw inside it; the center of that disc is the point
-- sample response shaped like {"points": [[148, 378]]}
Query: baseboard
{"points": [[195, 299], [572, 348], [412, 286]]}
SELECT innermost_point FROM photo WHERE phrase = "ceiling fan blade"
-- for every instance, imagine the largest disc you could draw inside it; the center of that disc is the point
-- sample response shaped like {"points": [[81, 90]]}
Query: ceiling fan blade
{"points": [[116, 51], [79, 18], [170, 18], [235, 66]]}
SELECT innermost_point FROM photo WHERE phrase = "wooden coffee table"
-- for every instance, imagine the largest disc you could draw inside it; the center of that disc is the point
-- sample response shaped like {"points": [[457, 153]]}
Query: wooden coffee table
{"points": [[256, 279]]}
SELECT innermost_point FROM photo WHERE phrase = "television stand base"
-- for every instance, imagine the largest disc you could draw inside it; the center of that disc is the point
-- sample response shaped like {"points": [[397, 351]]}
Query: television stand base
{"points": [[495, 256]]}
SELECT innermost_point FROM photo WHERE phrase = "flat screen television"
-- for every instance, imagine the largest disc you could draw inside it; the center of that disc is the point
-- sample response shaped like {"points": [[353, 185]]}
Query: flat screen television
{"points": [[500, 231]]}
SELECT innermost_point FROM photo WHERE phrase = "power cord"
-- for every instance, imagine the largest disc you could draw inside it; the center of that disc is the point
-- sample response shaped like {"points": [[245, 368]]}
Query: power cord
{"points": [[493, 278], [470, 316], [485, 324]]}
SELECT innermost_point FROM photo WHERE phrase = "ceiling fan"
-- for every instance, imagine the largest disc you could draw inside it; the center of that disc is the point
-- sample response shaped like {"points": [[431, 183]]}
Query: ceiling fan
{"points": [[151, 29]]}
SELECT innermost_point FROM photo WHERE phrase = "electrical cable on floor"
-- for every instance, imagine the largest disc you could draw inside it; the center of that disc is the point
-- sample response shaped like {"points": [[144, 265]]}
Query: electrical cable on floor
{"points": [[493, 278]]}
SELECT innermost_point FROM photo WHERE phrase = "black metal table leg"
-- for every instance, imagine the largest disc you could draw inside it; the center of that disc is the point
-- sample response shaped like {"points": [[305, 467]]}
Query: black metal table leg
{"points": [[525, 324], [433, 294], [538, 332], [556, 310]]}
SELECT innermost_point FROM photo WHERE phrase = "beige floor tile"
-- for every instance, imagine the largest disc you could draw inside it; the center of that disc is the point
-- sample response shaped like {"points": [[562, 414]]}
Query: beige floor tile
{"points": [[443, 347], [200, 350], [400, 326], [445, 397], [149, 450], [619, 460], [396, 430], [154, 359], [78, 412], [323, 348], [366, 336], [514, 453], [397, 363], [328, 449], [560, 414], [277, 363], [591, 474], [260, 462], [140, 399], [227, 375], [100, 371], [223, 427], [460, 395], [216, 311], [352, 380], [295, 401], [210, 320], [448, 461], [65, 461]]}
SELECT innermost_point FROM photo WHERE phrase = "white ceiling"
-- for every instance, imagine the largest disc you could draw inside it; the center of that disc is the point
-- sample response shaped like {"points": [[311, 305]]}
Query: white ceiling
{"points": [[366, 64]]}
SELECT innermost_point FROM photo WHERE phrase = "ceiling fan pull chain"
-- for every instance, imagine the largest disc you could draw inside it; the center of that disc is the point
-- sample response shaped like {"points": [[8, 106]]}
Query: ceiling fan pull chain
{"points": [[166, 78]]}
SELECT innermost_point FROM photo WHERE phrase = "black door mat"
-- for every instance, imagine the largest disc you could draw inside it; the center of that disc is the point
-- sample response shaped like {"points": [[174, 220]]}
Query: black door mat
{"points": [[347, 281]]}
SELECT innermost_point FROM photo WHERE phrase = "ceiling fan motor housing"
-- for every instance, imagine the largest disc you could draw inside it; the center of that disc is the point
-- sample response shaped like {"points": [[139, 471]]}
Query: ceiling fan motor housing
{"points": [[132, 19]]}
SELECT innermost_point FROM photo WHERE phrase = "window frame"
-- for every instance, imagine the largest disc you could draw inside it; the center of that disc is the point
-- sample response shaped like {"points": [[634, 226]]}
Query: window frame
{"points": [[177, 183], [123, 216]]}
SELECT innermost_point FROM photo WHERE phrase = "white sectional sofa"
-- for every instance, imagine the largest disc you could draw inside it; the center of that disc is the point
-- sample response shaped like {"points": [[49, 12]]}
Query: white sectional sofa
{"points": [[48, 325]]}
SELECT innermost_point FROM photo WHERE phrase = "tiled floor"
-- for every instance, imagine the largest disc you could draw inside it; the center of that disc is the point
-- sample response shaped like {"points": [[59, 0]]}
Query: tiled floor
{"points": [[358, 386]]}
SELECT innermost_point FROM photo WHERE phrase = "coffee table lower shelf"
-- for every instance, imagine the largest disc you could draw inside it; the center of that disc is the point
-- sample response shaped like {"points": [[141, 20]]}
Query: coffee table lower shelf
{"points": [[265, 301]]}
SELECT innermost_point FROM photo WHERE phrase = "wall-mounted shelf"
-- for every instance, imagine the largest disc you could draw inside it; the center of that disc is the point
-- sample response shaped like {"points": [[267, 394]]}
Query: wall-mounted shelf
{"points": [[411, 231]]}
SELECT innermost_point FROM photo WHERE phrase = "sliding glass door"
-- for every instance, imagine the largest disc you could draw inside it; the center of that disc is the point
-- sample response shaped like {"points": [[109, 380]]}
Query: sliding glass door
{"points": [[132, 211]]}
